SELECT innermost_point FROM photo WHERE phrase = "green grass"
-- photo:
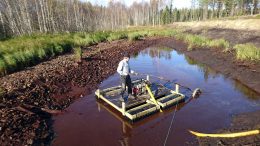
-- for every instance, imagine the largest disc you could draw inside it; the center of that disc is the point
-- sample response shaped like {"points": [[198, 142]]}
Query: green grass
{"points": [[195, 41], [257, 16], [247, 52], [3, 67], [77, 54], [219, 43], [20, 52], [117, 36], [134, 36], [100, 36], [1, 91]]}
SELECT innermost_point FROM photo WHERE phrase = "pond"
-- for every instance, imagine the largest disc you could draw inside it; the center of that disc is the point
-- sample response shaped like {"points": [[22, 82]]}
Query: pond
{"points": [[89, 121]]}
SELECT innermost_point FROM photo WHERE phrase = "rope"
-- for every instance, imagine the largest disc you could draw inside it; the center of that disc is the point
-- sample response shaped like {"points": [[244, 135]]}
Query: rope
{"points": [[169, 130], [161, 78]]}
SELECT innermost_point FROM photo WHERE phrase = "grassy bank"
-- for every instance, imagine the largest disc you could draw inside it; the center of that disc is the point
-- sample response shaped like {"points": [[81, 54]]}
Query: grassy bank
{"points": [[21, 52]]}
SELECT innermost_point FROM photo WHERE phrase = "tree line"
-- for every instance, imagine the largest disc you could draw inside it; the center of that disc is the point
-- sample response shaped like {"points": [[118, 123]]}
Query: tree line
{"points": [[210, 9], [26, 17]]}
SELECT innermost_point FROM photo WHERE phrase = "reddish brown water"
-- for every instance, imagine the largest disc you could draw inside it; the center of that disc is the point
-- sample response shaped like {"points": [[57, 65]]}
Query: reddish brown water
{"points": [[90, 122]]}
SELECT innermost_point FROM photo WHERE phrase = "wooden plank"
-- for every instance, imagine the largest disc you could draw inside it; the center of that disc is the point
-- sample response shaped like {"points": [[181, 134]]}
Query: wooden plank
{"points": [[173, 99], [141, 111], [107, 101]]}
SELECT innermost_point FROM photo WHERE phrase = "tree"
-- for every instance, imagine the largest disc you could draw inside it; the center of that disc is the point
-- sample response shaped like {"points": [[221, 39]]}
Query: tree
{"points": [[204, 5], [166, 15]]}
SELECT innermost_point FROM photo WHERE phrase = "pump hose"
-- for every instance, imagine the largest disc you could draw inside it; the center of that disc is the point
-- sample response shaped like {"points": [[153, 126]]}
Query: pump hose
{"points": [[226, 135]]}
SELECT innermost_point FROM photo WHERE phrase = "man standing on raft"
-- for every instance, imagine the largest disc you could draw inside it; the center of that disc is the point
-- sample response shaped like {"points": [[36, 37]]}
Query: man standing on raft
{"points": [[124, 70]]}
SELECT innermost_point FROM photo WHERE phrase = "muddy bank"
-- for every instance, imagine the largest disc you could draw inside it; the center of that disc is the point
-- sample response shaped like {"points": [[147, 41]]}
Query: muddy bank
{"points": [[244, 122], [232, 35], [32, 96]]}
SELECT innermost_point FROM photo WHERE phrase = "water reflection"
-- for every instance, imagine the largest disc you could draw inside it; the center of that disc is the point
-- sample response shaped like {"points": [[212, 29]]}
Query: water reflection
{"points": [[246, 91], [208, 72], [161, 52], [158, 53], [93, 122], [162, 60], [128, 127]]}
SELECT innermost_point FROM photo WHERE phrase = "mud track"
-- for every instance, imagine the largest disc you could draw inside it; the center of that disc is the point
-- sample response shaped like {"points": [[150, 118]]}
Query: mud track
{"points": [[30, 97]]}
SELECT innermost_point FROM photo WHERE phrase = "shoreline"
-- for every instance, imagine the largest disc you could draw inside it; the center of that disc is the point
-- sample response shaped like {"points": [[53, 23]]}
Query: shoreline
{"points": [[49, 87]]}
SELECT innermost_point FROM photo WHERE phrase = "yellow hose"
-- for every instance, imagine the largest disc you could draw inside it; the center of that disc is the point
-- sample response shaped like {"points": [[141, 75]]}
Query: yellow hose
{"points": [[152, 96], [226, 135]]}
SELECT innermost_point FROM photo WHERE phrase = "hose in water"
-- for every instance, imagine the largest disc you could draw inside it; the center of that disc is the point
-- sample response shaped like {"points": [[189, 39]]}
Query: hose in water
{"points": [[226, 135]]}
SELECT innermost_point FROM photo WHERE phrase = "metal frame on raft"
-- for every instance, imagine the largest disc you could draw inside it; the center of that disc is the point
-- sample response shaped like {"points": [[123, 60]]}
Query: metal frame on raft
{"points": [[139, 110]]}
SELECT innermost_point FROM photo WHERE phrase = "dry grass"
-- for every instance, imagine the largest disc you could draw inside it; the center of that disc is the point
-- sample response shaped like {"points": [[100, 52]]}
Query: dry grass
{"points": [[242, 24]]}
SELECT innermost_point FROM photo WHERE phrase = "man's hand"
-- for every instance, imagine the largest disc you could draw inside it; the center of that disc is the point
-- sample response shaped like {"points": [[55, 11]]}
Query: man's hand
{"points": [[134, 73]]}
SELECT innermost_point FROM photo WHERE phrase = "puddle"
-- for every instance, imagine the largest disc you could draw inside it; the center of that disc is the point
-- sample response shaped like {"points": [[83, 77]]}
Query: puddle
{"points": [[92, 122]]}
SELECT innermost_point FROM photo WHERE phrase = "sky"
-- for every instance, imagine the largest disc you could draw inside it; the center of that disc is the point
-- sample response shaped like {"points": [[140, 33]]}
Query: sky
{"points": [[176, 3]]}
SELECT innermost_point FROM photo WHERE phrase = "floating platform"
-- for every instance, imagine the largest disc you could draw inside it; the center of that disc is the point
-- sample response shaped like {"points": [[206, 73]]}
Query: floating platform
{"points": [[150, 98]]}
